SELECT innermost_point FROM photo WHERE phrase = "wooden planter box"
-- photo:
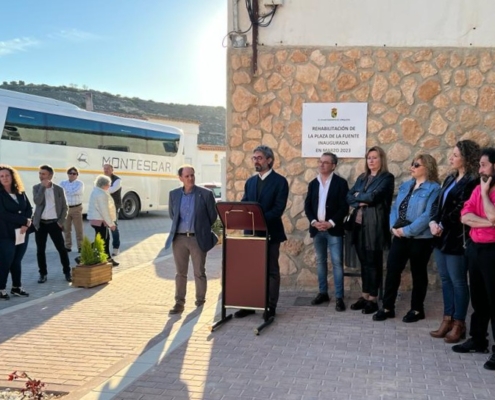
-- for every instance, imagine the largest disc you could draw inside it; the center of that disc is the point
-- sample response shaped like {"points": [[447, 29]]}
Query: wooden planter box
{"points": [[88, 276]]}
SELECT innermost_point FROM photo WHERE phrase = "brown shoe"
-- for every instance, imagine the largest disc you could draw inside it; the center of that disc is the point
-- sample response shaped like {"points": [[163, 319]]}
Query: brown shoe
{"points": [[177, 309], [445, 327], [457, 333]]}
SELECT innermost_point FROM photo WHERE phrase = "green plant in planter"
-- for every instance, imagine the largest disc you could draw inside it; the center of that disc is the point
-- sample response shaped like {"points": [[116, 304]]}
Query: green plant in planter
{"points": [[217, 227], [93, 253]]}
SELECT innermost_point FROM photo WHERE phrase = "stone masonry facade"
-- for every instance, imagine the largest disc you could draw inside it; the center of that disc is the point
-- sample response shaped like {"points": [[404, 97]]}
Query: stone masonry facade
{"points": [[419, 100]]}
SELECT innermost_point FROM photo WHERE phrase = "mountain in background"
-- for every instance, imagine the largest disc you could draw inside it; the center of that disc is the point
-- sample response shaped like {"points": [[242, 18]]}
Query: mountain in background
{"points": [[211, 119]]}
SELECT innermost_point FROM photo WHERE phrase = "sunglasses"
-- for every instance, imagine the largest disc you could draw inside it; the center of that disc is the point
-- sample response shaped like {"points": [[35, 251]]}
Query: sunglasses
{"points": [[416, 165], [72, 173]]}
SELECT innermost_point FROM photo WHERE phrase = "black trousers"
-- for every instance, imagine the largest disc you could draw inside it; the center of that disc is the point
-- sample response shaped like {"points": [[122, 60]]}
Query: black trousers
{"points": [[418, 252], [103, 231], [371, 263], [273, 274], [53, 230], [481, 258]]}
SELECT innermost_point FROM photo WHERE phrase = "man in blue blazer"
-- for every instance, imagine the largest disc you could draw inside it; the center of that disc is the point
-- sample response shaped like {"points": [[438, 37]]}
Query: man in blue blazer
{"points": [[326, 208], [193, 212], [271, 191]]}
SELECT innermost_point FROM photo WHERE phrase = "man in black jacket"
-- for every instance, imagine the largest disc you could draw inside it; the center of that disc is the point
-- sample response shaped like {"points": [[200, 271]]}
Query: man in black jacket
{"points": [[326, 208]]}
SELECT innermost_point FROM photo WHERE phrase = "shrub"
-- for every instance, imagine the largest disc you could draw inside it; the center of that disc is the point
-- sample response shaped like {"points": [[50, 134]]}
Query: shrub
{"points": [[93, 253]]}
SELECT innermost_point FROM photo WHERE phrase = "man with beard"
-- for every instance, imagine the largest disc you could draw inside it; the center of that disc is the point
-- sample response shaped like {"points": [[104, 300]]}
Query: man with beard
{"points": [[271, 191], [479, 213]]}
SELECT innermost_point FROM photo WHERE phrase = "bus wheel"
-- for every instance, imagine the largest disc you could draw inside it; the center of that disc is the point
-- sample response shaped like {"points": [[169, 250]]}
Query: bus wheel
{"points": [[130, 206]]}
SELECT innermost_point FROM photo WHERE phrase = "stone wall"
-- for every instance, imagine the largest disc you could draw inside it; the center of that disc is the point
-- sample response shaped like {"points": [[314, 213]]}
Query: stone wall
{"points": [[419, 100]]}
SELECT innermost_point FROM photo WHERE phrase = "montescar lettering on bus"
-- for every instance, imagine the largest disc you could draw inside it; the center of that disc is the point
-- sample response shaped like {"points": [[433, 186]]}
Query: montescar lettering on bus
{"points": [[137, 165]]}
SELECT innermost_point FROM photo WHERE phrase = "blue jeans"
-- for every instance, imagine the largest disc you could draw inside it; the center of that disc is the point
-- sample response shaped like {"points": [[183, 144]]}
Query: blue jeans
{"points": [[453, 274], [323, 241], [116, 235]]}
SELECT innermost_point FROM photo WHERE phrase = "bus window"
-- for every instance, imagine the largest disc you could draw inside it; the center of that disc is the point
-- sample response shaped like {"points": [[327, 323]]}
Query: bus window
{"points": [[114, 148], [71, 131], [123, 137], [162, 143], [29, 125], [10, 133]]}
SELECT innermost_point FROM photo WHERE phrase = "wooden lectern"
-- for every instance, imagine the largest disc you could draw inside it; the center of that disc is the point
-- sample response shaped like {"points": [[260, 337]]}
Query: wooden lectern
{"points": [[244, 259]]}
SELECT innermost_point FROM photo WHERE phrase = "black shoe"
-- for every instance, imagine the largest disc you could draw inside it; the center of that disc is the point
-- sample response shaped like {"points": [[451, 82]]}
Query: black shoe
{"points": [[470, 346], [370, 307], [19, 291], [68, 277], [4, 295], [68, 250], [383, 314], [78, 260], [270, 313], [42, 279], [413, 316], [243, 313], [320, 298], [359, 304], [339, 304], [114, 263], [490, 364], [199, 303], [176, 309]]}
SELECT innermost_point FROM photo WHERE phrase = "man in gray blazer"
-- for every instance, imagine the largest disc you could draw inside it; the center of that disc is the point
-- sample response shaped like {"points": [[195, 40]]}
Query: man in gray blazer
{"points": [[193, 212], [49, 218]]}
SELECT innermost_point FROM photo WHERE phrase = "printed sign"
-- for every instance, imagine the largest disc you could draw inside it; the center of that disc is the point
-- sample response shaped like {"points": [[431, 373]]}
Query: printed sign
{"points": [[339, 128]]}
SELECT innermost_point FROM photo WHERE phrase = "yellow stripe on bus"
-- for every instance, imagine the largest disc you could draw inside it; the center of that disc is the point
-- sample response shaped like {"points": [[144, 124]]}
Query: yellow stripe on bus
{"points": [[99, 172]]}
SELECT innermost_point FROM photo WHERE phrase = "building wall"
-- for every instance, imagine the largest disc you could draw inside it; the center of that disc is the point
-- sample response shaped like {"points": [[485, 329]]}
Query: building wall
{"points": [[420, 99], [210, 159]]}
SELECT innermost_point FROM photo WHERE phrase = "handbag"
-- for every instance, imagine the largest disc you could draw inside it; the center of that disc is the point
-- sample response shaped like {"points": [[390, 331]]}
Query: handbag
{"points": [[401, 223], [350, 219]]}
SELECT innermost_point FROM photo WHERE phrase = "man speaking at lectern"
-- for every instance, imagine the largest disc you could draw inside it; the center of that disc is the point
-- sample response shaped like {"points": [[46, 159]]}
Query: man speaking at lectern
{"points": [[271, 191]]}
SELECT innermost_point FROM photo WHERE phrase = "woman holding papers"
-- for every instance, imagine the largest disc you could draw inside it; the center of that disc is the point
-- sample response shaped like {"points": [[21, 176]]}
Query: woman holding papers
{"points": [[15, 219]]}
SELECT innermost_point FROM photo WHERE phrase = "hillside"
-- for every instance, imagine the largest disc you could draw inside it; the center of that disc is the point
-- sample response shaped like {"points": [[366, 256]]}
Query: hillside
{"points": [[212, 119]]}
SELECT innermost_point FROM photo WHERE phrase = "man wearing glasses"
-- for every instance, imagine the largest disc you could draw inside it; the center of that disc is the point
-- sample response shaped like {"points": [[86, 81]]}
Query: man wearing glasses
{"points": [[326, 208], [74, 190], [271, 191]]}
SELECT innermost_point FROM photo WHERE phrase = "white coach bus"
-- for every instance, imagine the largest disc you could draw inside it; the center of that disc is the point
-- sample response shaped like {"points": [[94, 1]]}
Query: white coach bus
{"points": [[38, 130]]}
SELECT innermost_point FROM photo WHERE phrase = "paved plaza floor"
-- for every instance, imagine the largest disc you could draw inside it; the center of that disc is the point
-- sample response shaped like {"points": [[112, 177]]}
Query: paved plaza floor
{"points": [[117, 341]]}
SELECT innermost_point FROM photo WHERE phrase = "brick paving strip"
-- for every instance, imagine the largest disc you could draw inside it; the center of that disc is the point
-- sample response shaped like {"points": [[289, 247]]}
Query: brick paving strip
{"points": [[118, 342], [75, 339]]}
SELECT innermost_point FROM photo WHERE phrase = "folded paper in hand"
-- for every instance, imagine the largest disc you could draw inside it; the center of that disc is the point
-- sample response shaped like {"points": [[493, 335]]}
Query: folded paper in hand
{"points": [[19, 237]]}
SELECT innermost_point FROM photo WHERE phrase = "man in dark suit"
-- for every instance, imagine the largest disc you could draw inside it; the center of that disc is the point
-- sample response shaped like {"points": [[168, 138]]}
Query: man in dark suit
{"points": [[326, 208], [49, 219], [193, 212], [271, 191]]}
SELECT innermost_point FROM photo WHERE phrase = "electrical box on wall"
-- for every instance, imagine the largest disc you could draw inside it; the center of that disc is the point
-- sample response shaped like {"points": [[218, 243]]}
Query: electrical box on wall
{"points": [[271, 3]]}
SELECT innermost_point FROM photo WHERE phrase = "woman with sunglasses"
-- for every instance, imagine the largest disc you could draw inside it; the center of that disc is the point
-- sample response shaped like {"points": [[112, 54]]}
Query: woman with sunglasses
{"points": [[412, 239], [371, 197], [449, 236]]}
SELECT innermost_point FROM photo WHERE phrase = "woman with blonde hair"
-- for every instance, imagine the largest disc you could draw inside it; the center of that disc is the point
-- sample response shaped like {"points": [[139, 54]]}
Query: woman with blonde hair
{"points": [[371, 197], [412, 239]]}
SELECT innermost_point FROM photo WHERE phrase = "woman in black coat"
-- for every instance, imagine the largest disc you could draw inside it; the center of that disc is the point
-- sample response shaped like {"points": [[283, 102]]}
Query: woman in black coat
{"points": [[371, 197], [15, 213], [449, 237]]}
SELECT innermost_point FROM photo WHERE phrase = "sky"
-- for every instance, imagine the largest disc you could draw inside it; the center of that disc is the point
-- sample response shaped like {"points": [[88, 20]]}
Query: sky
{"points": [[163, 50]]}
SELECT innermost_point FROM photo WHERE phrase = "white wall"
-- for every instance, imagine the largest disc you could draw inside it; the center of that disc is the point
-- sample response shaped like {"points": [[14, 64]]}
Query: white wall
{"points": [[209, 163], [392, 23]]}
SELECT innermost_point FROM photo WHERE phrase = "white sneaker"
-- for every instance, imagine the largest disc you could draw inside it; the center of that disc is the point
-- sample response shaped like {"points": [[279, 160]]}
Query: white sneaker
{"points": [[115, 252]]}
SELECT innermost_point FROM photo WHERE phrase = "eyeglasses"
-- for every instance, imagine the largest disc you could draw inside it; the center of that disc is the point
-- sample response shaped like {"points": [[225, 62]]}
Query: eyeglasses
{"points": [[257, 158], [72, 173], [416, 165]]}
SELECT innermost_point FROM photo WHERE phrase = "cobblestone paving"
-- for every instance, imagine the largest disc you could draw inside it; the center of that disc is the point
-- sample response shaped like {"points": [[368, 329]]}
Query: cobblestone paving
{"points": [[117, 341]]}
